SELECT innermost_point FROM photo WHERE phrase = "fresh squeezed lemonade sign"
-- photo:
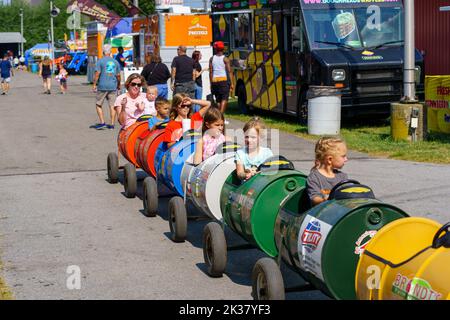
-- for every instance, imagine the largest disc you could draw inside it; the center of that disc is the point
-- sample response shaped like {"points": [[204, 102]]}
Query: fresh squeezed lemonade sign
{"points": [[188, 30], [437, 99]]}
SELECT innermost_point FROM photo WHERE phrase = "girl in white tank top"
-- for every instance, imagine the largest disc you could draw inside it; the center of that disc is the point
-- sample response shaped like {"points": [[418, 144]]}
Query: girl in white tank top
{"points": [[219, 71]]}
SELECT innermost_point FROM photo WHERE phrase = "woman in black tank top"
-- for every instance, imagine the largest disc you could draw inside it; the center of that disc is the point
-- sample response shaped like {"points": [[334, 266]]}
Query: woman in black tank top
{"points": [[45, 71]]}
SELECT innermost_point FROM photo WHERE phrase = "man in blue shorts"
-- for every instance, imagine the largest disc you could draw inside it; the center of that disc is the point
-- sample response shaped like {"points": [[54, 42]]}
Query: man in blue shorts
{"points": [[7, 72]]}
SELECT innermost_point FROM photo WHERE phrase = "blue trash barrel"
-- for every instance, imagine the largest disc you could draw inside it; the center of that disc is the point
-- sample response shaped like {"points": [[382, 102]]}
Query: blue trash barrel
{"points": [[34, 68]]}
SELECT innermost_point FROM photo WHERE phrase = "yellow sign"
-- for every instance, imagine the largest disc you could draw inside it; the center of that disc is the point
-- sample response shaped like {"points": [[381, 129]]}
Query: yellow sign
{"points": [[437, 99], [188, 30]]}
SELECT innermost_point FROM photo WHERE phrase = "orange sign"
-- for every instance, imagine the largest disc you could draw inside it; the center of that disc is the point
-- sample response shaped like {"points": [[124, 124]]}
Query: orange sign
{"points": [[188, 30]]}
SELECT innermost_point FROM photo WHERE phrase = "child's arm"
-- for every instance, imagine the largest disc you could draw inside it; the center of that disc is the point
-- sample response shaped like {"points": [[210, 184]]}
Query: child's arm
{"points": [[240, 171], [198, 155], [140, 106], [204, 105], [122, 114], [316, 200]]}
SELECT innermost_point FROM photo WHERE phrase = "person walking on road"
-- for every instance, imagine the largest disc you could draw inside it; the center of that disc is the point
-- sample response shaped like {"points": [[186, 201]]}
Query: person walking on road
{"points": [[7, 72], [197, 56], [221, 76], [45, 72], [107, 76], [182, 80], [121, 60], [156, 74]]}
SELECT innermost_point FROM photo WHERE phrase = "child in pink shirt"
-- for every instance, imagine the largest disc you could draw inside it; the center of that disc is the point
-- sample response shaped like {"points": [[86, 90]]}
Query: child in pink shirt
{"points": [[213, 130]]}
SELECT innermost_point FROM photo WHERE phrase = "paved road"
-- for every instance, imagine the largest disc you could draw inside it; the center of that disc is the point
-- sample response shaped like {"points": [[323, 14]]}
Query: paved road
{"points": [[57, 210]]}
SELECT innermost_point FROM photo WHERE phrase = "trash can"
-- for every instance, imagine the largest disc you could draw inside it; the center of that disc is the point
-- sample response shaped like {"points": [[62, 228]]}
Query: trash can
{"points": [[324, 110], [34, 68]]}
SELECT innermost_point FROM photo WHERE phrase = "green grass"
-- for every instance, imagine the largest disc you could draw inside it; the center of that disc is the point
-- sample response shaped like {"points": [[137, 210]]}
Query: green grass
{"points": [[364, 135], [5, 293]]}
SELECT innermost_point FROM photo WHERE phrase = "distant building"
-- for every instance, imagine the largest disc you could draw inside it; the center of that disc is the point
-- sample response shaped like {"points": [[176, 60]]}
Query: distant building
{"points": [[10, 41], [432, 35]]}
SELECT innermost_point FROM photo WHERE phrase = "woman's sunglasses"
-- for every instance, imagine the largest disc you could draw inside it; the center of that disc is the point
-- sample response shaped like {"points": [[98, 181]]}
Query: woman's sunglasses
{"points": [[185, 106], [134, 84]]}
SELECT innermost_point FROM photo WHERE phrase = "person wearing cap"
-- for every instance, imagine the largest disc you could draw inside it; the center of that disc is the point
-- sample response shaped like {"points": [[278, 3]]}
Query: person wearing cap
{"points": [[182, 75], [220, 76]]}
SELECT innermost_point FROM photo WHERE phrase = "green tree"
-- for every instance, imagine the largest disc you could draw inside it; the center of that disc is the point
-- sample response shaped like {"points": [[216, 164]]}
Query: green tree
{"points": [[36, 21], [148, 6]]}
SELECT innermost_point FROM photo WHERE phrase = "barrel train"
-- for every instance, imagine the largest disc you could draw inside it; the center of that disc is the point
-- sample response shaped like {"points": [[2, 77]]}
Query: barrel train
{"points": [[352, 246]]}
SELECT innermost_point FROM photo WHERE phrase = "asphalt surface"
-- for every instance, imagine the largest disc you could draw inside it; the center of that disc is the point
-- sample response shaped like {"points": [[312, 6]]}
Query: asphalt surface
{"points": [[57, 209]]}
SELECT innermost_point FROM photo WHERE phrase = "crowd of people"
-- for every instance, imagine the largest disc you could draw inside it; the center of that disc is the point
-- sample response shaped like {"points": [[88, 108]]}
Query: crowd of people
{"points": [[185, 77], [145, 99]]}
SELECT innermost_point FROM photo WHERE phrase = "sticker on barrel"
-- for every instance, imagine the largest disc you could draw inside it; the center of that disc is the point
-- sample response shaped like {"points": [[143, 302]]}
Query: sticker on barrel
{"points": [[363, 241], [312, 236], [415, 289]]}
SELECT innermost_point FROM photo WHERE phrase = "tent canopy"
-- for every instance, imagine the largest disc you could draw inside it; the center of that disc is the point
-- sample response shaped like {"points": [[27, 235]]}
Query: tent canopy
{"points": [[40, 49], [11, 37], [123, 26]]}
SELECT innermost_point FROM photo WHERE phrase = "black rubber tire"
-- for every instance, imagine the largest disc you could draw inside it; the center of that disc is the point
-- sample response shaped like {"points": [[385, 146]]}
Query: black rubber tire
{"points": [[242, 99], [112, 166], [150, 197], [214, 249], [130, 180], [267, 281], [177, 219]]}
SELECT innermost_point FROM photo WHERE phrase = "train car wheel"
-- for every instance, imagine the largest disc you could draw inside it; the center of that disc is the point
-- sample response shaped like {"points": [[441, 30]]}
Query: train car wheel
{"points": [[113, 168], [130, 180], [177, 219], [267, 281], [150, 197], [214, 249]]}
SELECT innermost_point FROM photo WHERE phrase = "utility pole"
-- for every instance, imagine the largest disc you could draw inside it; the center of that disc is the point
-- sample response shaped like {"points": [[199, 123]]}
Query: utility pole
{"points": [[52, 52], [21, 32], [136, 4], [409, 67], [407, 117]]}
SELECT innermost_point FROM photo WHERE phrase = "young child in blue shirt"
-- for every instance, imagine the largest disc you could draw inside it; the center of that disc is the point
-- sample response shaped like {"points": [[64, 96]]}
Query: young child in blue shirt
{"points": [[162, 107], [249, 158]]}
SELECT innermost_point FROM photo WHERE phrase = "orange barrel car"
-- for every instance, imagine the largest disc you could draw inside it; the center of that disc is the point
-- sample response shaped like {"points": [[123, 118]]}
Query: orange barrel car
{"points": [[126, 142], [146, 146]]}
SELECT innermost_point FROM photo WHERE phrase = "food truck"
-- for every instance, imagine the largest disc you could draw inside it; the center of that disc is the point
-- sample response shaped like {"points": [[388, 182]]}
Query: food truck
{"points": [[279, 49]]}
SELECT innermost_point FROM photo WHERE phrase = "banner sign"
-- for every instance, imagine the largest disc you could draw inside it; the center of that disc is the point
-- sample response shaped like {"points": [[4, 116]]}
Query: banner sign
{"points": [[96, 10], [320, 4], [437, 99], [189, 30]]}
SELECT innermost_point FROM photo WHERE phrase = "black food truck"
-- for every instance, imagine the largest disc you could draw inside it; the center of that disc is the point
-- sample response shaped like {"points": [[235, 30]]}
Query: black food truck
{"points": [[279, 48]]}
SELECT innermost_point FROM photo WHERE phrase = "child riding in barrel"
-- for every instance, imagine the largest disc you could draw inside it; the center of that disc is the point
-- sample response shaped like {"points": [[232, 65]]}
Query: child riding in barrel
{"points": [[213, 130], [182, 106], [253, 155], [331, 156]]}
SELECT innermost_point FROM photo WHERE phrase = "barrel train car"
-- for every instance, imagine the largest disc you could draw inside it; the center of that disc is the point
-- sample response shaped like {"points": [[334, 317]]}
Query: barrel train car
{"points": [[326, 244]]}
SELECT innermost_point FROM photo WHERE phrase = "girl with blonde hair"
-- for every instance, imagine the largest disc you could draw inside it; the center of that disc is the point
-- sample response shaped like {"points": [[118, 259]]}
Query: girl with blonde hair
{"points": [[330, 157]]}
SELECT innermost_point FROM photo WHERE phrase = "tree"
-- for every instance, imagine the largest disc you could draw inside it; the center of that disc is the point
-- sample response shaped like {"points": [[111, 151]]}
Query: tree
{"points": [[148, 6], [36, 21]]}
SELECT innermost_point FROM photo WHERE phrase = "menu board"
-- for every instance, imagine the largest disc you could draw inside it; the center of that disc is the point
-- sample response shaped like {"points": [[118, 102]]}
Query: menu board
{"points": [[263, 30]]}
